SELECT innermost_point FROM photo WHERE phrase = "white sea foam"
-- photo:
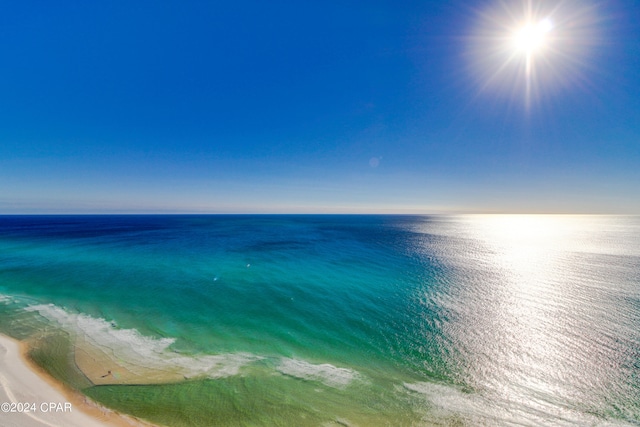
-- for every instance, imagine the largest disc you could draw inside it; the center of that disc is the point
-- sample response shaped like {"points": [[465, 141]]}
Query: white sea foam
{"points": [[446, 401], [6, 299], [131, 347], [328, 374], [449, 404]]}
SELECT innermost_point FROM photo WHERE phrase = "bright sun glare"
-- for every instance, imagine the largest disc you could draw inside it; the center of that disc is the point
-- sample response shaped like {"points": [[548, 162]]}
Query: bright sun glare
{"points": [[531, 47], [532, 36]]}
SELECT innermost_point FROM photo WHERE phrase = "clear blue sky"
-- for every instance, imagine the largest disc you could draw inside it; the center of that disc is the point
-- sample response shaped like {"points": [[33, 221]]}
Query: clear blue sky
{"points": [[328, 106]]}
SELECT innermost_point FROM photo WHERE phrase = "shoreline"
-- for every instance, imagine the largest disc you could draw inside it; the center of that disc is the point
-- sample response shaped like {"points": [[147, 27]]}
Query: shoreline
{"points": [[51, 403]]}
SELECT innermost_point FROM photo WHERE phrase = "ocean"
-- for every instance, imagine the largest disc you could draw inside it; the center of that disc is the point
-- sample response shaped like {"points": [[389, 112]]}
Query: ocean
{"points": [[333, 320]]}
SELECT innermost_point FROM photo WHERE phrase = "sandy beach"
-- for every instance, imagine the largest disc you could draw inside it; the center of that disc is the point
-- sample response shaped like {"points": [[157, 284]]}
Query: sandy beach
{"points": [[30, 399]]}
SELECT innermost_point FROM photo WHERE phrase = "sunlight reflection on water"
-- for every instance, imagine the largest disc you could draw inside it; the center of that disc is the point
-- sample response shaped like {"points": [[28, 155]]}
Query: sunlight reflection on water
{"points": [[541, 311]]}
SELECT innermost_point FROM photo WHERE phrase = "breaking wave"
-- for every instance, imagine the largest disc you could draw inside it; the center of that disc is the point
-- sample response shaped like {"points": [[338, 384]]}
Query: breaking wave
{"points": [[132, 347], [325, 373]]}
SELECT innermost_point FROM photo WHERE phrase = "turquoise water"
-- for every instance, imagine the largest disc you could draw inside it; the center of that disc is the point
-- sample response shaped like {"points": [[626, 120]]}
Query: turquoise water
{"points": [[340, 320]]}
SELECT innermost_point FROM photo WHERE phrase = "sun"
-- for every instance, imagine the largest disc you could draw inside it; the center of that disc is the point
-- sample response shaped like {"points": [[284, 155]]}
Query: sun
{"points": [[533, 36], [527, 50]]}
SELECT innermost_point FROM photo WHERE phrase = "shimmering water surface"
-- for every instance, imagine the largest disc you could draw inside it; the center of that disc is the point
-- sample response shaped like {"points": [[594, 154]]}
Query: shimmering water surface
{"points": [[335, 320]]}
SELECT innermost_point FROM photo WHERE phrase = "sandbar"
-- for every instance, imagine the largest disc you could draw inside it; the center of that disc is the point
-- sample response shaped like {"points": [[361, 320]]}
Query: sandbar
{"points": [[30, 398]]}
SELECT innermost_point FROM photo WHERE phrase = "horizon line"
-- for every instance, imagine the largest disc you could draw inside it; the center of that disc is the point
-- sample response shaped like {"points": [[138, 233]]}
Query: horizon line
{"points": [[370, 213]]}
